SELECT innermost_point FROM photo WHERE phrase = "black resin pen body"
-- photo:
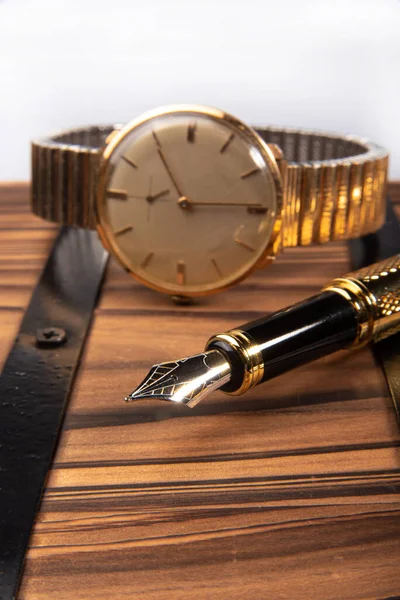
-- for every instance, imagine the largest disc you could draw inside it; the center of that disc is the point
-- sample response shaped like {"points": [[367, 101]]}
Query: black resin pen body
{"points": [[349, 312]]}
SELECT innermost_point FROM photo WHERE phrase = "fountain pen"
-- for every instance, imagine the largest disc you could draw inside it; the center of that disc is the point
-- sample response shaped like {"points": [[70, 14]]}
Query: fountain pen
{"points": [[349, 312]]}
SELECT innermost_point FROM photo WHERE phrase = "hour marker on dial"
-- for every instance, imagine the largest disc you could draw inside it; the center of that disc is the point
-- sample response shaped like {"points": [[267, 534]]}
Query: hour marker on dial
{"points": [[130, 162], [214, 262], [157, 141], [244, 244], [257, 210], [191, 132], [117, 194], [123, 230], [147, 259], [180, 272], [250, 172], [226, 144]]}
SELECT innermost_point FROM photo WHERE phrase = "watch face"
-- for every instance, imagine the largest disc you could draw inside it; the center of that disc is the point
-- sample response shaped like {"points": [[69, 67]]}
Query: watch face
{"points": [[187, 200]]}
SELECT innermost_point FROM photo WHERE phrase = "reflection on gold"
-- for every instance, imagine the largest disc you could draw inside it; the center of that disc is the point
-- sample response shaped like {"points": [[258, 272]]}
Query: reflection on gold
{"points": [[180, 272], [356, 193]]}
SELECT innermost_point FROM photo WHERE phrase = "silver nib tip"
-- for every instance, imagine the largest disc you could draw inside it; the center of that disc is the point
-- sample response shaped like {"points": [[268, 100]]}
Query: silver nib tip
{"points": [[187, 380]]}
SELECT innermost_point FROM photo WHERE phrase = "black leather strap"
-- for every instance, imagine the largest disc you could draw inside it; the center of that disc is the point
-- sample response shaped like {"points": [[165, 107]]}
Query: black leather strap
{"points": [[35, 384], [365, 251]]}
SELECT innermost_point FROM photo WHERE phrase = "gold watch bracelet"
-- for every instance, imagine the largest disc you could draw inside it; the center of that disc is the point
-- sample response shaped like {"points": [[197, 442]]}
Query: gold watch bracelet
{"points": [[333, 186]]}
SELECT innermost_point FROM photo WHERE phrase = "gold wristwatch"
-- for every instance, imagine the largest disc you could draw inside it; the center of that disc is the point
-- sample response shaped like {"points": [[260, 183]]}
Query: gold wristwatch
{"points": [[190, 200]]}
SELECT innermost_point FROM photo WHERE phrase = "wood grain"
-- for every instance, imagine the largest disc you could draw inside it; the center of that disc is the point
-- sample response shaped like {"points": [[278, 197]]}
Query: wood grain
{"points": [[288, 492]]}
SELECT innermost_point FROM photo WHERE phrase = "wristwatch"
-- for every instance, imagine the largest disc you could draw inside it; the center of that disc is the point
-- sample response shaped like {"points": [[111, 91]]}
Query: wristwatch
{"points": [[190, 200]]}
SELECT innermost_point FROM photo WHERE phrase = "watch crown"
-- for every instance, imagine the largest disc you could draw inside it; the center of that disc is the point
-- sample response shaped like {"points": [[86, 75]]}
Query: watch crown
{"points": [[112, 135], [276, 151]]}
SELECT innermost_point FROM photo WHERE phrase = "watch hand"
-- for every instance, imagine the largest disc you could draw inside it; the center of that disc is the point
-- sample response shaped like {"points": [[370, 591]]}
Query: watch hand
{"points": [[152, 197], [186, 203], [166, 165], [148, 212]]}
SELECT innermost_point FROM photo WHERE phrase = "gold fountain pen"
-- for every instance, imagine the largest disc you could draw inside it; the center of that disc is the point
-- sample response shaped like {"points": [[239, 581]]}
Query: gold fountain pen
{"points": [[349, 312]]}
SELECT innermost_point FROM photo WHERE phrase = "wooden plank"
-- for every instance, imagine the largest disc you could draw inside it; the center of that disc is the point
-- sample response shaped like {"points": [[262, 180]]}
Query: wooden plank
{"points": [[289, 491]]}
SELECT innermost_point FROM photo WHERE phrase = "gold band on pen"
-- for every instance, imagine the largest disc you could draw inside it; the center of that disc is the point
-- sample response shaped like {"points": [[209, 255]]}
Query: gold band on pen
{"points": [[363, 303], [248, 352]]}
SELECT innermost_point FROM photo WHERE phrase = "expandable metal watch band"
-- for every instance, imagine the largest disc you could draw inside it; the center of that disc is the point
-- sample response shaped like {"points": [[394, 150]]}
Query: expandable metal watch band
{"points": [[65, 171], [334, 186]]}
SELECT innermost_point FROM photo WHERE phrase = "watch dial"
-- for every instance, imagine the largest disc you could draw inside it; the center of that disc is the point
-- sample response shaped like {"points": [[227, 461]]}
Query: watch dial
{"points": [[188, 201]]}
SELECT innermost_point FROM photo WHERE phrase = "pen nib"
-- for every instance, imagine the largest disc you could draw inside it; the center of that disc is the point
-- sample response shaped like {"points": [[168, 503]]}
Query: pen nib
{"points": [[187, 380]]}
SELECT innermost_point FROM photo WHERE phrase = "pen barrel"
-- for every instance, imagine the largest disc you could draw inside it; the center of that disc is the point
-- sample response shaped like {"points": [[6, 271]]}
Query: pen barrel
{"points": [[349, 312], [262, 349]]}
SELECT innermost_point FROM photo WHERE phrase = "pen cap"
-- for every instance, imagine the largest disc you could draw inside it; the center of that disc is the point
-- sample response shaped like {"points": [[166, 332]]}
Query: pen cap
{"points": [[374, 292]]}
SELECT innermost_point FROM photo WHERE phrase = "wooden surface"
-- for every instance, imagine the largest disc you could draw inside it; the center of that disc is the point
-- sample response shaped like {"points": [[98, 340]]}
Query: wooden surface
{"points": [[288, 492]]}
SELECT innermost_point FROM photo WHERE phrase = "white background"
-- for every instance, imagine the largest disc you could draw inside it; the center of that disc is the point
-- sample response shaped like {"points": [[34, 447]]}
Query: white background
{"points": [[312, 63]]}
